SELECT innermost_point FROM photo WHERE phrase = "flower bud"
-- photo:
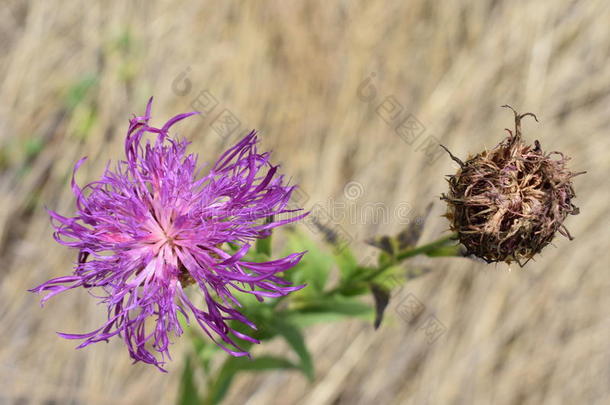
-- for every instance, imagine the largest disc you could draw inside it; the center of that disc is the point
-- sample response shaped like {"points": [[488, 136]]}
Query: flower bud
{"points": [[507, 204]]}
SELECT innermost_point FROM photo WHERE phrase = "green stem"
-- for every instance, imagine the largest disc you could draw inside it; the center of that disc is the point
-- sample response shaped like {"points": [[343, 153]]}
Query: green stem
{"points": [[423, 249], [426, 248], [375, 272]]}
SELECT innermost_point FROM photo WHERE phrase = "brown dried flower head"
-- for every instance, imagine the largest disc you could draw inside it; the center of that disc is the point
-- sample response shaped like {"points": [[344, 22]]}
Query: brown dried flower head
{"points": [[506, 204]]}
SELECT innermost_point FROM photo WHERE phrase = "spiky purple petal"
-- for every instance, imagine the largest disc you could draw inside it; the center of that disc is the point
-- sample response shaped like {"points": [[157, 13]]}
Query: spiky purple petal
{"points": [[153, 225]]}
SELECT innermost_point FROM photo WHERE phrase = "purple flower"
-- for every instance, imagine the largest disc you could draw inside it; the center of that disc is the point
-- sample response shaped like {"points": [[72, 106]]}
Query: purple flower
{"points": [[155, 224]]}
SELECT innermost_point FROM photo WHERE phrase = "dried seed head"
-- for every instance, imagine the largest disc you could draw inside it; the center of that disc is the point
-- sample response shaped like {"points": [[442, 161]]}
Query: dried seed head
{"points": [[506, 204]]}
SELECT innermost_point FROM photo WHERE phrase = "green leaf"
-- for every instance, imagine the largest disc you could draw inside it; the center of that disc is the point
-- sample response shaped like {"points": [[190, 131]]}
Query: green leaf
{"points": [[391, 246], [348, 264], [263, 246], [124, 41], [295, 339], [386, 244], [354, 289], [336, 305], [313, 269], [184, 324], [232, 247], [382, 298], [385, 260], [411, 234], [448, 240], [390, 277], [256, 257], [33, 147], [79, 90], [234, 365], [263, 363], [312, 318], [327, 310], [188, 389], [258, 313], [206, 350], [84, 118]]}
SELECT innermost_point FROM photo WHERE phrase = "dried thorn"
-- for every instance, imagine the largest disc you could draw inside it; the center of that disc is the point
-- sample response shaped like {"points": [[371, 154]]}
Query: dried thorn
{"points": [[577, 174], [489, 261], [514, 111], [518, 118], [517, 134], [537, 147], [567, 233], [456, 159], [526, 262], [530, 115]]}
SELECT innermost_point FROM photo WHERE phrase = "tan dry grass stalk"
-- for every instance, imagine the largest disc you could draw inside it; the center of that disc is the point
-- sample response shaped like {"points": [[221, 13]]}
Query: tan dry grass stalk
{"points": [[293, 71]]}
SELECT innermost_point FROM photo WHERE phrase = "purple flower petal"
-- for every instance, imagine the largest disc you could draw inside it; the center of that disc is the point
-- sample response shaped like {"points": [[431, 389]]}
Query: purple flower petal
{"points": [[154, 225]]}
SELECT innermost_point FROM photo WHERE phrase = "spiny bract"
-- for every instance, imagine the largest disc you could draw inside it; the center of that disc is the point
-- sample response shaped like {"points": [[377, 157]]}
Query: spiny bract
{"points": [[506, 204]]}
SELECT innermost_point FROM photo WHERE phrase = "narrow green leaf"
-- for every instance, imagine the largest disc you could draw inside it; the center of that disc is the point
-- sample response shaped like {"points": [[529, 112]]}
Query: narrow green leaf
{"points": [[33, 147], [188, 389], [256, 257], [263, 246], [77, 92], [389, 277], [385, 243], [344, 306], [385, 260], [206, 351], [233, 248], [327, 311], [264, 363], [382, 298], [258, 313], [354, 289], [348, 264], [306, 319], [84, 118], [295, 339], [411, 234], [313, 269], [448, 240], [234, 365]]}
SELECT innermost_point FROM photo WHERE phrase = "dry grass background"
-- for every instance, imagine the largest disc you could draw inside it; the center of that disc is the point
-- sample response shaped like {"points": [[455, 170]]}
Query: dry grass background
{"points": [[528, 336]]}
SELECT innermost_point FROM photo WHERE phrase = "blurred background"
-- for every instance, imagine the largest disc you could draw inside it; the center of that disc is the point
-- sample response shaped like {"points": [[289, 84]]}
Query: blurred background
{"points": [[353, 99]]}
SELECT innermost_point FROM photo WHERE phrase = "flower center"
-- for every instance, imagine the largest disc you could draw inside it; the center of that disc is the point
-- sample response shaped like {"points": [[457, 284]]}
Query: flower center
{"points": [[169, 239], [160, 234]]}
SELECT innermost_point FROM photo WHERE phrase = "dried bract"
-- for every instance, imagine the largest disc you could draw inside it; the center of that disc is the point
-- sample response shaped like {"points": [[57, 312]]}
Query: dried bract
{"points": [[506, 204]]}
